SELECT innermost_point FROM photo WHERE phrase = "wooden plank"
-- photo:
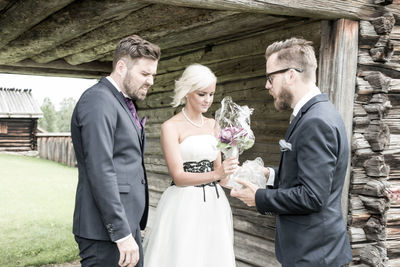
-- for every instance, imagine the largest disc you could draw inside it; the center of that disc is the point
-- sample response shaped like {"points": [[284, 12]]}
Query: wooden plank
{"points": [[220, 28], [11, 20], [79, 18], [255, 45], [87, 73], [150, 23], [254, 250], [336, 76], [5, 4], [94, 66], [351, 9]]}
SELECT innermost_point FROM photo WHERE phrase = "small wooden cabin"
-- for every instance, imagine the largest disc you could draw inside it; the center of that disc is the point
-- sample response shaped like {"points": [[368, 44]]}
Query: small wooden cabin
{"points": [[19, 113], [358, 47]]}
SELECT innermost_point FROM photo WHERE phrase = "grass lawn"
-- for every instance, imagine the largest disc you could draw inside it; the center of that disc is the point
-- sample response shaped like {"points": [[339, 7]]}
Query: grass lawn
{"points": [[36, 205]]}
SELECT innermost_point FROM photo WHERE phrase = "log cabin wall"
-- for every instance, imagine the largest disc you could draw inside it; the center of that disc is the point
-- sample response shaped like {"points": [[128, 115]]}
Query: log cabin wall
{"points": [[19, 113], [239, 65], [18, 134], [373, 221]]}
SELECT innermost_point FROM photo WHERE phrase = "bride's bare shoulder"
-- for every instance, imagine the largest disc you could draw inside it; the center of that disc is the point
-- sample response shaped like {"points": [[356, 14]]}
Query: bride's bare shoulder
{"points": [[172, 123]]}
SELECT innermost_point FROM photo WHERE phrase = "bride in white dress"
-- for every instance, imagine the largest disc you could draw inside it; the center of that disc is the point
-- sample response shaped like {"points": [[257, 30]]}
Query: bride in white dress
{"points": [[193, 222]]}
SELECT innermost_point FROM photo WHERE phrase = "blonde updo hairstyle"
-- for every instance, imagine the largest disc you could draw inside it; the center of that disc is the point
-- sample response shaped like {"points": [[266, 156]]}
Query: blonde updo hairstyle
{"points": [[195, 77]]}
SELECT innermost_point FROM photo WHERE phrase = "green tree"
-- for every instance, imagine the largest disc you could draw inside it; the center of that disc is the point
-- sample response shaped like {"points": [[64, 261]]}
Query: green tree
{"points": [[49, 120], [67, 106]]}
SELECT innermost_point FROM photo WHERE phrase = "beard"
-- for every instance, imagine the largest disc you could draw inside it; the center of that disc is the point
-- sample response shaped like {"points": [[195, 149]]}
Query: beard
{"points": [[132, 89], [284, 99]]}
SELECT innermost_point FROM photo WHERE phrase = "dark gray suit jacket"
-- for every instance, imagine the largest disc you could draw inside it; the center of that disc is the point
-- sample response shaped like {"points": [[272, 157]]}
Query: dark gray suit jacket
{"points": [[112, 194], [310, 230]]}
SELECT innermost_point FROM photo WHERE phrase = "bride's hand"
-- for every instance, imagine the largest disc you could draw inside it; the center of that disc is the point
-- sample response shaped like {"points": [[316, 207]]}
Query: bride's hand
{"points": [[227, 167]]}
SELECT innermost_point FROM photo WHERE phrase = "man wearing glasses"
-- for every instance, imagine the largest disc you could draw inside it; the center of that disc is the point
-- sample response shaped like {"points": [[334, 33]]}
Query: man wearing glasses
{"points": [[305, 190]]}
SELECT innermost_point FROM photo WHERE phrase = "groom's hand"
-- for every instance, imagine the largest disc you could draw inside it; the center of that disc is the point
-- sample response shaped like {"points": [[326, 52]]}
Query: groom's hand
{"points": [[247, 194], [128, 252]]}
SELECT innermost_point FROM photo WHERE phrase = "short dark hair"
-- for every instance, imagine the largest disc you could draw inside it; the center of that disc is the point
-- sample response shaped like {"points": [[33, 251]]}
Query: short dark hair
{"points": [[295, 53], [135, 47]]}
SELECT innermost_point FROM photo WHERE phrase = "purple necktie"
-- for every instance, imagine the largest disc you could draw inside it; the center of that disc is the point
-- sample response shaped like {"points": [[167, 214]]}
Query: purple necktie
{"points": [[132, 109]]}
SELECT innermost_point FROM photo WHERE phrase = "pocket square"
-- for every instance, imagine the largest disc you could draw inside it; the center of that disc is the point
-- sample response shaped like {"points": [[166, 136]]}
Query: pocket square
{"points": [[285, 146]]}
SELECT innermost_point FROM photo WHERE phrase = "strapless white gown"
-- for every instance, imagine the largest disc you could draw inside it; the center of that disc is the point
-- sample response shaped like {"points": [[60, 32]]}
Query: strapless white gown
{"points": [[192, 226]]}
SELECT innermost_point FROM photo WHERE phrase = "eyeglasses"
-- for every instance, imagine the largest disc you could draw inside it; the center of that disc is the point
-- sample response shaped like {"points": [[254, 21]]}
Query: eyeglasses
{"points": [[269, 75]]}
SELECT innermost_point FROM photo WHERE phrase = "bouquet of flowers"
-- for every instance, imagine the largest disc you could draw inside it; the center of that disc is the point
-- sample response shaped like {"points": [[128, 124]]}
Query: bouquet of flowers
{"points": [[235, 135]]}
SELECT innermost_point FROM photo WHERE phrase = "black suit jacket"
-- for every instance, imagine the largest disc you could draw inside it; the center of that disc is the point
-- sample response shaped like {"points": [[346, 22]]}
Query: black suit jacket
{"points": [[310, 230], [112, 194]]}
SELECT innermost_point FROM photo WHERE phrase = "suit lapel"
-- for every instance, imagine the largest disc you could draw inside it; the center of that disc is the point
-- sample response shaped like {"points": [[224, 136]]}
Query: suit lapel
{"points": [[124, 106], [296, 120], [303, 110]]}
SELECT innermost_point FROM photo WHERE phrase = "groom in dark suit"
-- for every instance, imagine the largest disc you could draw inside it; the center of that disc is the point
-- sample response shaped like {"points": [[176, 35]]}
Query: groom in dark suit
{"points": [[305, 190], [112, 197]]}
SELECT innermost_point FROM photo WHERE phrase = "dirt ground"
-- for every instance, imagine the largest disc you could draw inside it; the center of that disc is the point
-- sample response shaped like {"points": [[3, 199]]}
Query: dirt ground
{"points": [[69, 264]]}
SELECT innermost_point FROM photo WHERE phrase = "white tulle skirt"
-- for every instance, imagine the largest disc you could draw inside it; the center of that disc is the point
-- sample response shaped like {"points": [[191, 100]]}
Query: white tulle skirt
{"points": [[190, 232]]}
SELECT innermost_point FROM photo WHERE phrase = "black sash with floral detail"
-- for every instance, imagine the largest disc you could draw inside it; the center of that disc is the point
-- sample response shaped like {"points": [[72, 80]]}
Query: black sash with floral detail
{"points": [[200, 167]]}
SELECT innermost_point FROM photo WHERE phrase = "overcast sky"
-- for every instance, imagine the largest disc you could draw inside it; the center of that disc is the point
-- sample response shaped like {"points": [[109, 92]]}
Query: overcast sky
{"points": [[56, 88]]}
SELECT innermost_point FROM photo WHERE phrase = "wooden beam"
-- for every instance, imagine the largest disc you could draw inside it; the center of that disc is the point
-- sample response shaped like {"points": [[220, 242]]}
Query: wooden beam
{"points": [[59, 68], [79, 18], [149, 22], [255, 45], [208, 28], [334, 9], [23, 15], [337, 76], [4, 4]]}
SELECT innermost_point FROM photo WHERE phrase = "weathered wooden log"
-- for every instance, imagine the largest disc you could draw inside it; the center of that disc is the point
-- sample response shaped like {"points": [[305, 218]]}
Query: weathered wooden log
{"points": [[375, 188], [384, 24], [336, 9], [383, 2], [357, 212], [375, 205], [374, 255], [359, 176], [382, 53], [216, 29], [150, 23], [390, 68], [379, 82], [12, 24], [359, 142], [378, 135], [368, 35], [393, 232], [376, 167], [393, 252], [378, 110], [254, 250], [361, 150], [363, 86], [338, 54], [375, 229], [360, 124], [358, 110], [357, 235], [393, 215], [4, 4], [87, 73], [79, 18], [394, 86]]}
